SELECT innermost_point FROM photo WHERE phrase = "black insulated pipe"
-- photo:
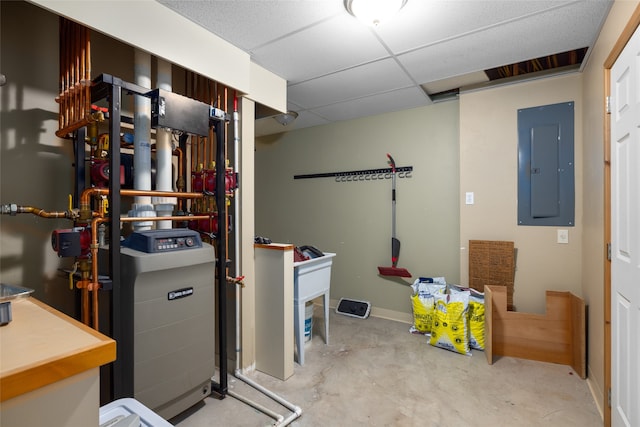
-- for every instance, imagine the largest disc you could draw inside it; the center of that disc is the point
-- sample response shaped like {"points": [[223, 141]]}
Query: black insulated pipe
{"points": [[221, 264]]}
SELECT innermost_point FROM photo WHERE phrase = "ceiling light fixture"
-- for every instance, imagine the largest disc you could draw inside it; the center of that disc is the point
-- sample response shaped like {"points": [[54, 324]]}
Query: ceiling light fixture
{"points": [[373, 12], [286, 118]]}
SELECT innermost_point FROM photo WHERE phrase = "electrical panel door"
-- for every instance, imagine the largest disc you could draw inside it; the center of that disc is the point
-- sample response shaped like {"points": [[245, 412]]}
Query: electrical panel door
{"points": [[546, 179]]}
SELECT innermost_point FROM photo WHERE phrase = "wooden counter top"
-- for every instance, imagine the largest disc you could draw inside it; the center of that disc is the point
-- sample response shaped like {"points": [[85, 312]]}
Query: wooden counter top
{"points": [[274, 246], [42, 345]]}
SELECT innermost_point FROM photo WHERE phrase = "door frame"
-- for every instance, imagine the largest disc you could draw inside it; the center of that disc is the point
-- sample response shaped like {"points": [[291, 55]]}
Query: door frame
{"points": [[629, 29]]}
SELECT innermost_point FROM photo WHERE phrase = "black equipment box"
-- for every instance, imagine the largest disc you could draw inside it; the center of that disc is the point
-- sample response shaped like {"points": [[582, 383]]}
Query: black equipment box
{"points": [[177, 112], [354, 308]]}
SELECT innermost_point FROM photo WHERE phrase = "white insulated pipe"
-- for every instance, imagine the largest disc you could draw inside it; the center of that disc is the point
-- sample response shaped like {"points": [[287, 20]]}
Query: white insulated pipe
{"points": [[164, 152], [142, 142], [296, 411], [236, 170]]}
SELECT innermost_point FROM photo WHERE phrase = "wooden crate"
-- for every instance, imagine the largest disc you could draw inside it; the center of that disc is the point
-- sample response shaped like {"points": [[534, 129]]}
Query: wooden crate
{"points": [[557, 336]]}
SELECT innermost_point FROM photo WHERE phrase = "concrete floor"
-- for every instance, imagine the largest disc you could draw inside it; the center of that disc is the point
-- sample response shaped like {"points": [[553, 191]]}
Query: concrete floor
{"points": [[375, 373]]}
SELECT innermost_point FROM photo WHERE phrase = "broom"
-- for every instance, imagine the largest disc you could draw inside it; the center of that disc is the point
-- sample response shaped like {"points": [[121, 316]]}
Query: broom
{"points": [[394, 270]]}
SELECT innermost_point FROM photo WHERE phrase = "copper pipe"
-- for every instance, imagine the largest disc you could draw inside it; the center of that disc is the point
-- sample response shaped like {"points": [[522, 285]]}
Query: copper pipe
{"points": [[91, 118], [75, 77], [87, 70], [73, 72], [81, 73], [66, 73], [95, 308], [178, 152], [194, 152], [60, 70], [13, 209], [165, 218], [85, 197], [180, 183], [95, 285], [76, 83], [85, 301], [83, 284], [76, 86]]}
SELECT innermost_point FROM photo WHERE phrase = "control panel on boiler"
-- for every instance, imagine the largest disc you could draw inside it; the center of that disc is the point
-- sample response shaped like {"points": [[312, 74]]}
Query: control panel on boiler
{"points": [[158, 241]]}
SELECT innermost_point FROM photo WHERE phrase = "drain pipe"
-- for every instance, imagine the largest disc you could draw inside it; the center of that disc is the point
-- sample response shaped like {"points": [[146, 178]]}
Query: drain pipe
{"points": [[296, 411], [164, 149], [142, 206]]}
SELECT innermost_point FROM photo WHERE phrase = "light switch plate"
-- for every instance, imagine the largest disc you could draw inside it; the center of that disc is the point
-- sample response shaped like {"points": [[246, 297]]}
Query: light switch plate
{"points": [[469, 198], [563, 236]]}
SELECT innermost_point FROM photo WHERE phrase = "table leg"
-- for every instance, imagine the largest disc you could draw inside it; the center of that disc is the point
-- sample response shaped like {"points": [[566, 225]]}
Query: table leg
{"points": [[325, 303], [299, 330]]}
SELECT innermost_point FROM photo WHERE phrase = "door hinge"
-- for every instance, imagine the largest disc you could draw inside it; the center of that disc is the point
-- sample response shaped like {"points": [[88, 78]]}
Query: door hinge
{"points": [[609, 251], [609, 397], [607, 104]]}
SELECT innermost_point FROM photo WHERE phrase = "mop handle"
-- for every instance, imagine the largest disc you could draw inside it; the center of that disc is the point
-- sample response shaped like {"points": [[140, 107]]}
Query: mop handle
{"points": [[393, 195]]}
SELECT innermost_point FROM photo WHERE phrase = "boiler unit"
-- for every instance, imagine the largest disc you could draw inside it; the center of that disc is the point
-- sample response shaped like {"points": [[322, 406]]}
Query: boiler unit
{"points": [[168, 275]]}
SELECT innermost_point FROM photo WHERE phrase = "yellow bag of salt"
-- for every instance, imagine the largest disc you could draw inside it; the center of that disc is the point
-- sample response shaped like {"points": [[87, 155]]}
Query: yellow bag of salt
{"points": [[476, 315], [450, 325], [476, 320], [422, 300]]}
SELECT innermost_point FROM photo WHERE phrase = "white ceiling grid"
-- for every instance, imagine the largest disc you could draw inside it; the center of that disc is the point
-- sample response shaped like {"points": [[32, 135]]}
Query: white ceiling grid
{"points": [[339, 69]]}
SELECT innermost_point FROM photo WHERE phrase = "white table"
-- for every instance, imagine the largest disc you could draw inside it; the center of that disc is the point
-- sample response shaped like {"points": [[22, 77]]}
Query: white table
{"points": [[312, 278]]}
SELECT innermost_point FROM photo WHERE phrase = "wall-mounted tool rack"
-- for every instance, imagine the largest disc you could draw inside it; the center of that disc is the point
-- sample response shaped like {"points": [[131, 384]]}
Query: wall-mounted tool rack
{"points": [[361, 175]]}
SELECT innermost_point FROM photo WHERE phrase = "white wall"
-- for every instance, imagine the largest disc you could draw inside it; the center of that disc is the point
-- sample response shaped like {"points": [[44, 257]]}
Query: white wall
{"points": [[353, 219]]}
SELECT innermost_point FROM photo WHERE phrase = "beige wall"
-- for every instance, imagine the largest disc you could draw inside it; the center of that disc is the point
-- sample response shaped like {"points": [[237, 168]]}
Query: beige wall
{"points": [[353, 219], [593, 204], [581, 268], [36, 166], [488, 167]]}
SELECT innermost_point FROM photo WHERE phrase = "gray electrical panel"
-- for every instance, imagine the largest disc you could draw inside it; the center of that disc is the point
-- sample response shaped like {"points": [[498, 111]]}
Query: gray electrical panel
{"points": [[546, 181]]}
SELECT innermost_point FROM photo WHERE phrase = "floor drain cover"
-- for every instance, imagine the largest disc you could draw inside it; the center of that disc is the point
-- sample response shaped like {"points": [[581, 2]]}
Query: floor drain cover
{"points": [[354, 308]]}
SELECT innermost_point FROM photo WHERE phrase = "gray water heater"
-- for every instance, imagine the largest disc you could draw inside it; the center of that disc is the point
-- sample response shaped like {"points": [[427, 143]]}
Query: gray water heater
{"points": [[171, 274]]}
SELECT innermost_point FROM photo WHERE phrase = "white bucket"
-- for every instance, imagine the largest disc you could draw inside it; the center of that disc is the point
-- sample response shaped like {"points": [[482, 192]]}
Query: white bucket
{"points": [[308, 321]]}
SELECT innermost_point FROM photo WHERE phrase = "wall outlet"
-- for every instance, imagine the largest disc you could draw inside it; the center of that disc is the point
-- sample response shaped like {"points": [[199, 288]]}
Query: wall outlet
{"points": [[563, 236]]}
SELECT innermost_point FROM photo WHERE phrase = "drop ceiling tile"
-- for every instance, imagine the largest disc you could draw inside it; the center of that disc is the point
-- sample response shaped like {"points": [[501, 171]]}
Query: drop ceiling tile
{"points": [[249, 24], [566, 29], [455, 82], [309, 118], [397, 100], [377, 77], [328, 57], [334, 44], [423, 23]]}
